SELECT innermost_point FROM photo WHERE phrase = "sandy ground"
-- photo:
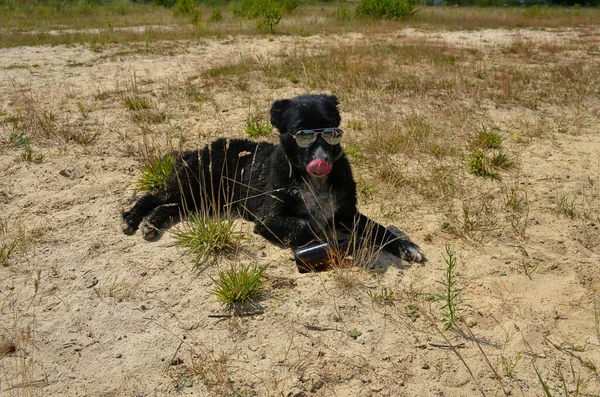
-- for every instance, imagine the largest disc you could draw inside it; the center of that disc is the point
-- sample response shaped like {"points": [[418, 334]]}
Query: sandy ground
{"points": [[91, 311]]}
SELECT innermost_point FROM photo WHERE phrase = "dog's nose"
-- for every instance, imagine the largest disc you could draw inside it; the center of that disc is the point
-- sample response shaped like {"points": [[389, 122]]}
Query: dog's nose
{"points": [[318, 167]]}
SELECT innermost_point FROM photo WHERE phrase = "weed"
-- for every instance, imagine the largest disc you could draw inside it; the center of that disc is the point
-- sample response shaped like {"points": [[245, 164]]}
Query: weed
{"points": [[487, 139], [383, 297], [135, 102], [156, 173], [479, 165], [82, 110], [589, 364], [509, 365], [256, 126], [475, 221], [240, 284], [18, 139], [387, 9], [354, 152], [354, 334], [500, 160], [8, 245], [412, 313], [451, 297], [31, 157], [545, 387], [565, 204], [203, 236], [216, 15]]}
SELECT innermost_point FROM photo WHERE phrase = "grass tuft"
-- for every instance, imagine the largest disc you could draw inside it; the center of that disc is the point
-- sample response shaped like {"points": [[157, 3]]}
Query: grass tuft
{"points": [[156, 173], [487, 139], [479, 165], [204, 236], [256, 127], [134, 102], [240, 284]]}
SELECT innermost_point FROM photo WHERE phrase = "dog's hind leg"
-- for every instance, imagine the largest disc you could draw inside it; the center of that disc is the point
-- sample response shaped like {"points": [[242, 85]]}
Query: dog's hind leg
{"points": [[142, 207], [153, 223]]}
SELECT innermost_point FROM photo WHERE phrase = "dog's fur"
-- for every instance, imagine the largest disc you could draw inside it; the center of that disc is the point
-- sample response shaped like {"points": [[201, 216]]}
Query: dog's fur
{"points": [[270, 185]]}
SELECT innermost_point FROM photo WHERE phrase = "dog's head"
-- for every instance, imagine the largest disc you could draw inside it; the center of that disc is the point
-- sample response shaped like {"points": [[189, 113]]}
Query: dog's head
{"points": [[310, 136]]}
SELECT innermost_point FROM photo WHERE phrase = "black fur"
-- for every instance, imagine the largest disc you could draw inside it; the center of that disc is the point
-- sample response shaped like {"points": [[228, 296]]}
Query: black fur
{"points": [[270, 185]]}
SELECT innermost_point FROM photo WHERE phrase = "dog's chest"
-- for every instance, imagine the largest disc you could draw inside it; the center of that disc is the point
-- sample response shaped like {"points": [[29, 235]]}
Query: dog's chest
{"points": [[319, 200]]}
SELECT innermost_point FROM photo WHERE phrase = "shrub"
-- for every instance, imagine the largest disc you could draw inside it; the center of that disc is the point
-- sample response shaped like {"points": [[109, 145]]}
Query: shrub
{"points": [[388, 9], [268, 12]]}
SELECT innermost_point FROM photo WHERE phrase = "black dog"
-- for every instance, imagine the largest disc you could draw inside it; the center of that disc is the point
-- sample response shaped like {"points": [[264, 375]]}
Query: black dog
{"points": [[295, 192]]}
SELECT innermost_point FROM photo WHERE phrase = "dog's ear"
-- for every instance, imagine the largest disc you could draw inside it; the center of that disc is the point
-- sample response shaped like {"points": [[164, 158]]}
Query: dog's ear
{"points": [[332, 99], [277, 110]]}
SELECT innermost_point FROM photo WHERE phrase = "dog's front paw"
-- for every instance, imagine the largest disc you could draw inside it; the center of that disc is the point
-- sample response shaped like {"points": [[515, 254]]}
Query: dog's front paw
{"points": [[408, 251], [127, 226], [149, 231]]}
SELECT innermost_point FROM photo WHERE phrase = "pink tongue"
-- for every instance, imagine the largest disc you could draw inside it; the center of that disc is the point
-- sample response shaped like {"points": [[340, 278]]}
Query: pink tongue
{"points": [[318, 167]]}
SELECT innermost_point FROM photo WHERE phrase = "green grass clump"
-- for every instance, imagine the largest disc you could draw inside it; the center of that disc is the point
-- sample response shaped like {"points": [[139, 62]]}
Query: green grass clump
{"points": [[156, 174], [256, 127], [240, 284], [135, 102], [387, 9], [204, 236], [18, 139], [490, 140], [479, 165]]}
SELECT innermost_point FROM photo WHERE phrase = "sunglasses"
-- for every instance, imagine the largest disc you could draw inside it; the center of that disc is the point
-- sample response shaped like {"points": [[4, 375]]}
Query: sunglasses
{"points": [[305, 138]]}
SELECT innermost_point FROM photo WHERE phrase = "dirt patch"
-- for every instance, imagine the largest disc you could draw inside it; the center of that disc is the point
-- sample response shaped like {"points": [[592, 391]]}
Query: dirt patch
{"points": [[86, 310]]}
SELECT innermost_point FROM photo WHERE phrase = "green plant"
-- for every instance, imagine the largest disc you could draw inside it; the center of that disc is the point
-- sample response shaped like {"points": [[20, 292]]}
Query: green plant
{"points": [[82, 110], [31, 157], [412, 312], [204, 236], [479, 165], [354, 334], [240, 284], [383, 297], [185, 7], [8, 245], [565, 204], [134, 102], [451, 296], [18, 139], [387, 9], [216, 15], [509, 365], [156, 173], [267, 12], [500, 160], [256, 126], [487, 139]]}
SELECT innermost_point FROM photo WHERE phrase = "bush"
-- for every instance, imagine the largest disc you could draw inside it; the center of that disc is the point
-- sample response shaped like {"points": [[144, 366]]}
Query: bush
{"points": [[268, 12], [184, 7], [388, 9]]}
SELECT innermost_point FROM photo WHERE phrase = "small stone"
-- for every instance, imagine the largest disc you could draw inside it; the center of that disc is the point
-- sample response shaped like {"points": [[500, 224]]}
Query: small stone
{"points": [[425, 366], [176, 361], [471, 322], [118, 355]]}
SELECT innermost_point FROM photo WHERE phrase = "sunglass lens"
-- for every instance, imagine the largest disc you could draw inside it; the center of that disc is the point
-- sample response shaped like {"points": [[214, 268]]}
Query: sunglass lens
{"points": [[304, 139]]}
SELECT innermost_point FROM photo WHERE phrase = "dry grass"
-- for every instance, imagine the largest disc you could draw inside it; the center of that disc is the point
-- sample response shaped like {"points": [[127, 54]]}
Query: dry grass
{"points": [[100, 25]]}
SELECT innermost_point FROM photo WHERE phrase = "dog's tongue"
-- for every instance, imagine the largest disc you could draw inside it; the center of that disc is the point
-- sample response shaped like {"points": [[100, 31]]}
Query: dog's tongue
{"points": [[318, 167]]}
